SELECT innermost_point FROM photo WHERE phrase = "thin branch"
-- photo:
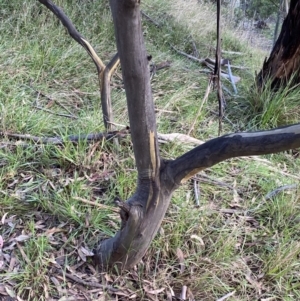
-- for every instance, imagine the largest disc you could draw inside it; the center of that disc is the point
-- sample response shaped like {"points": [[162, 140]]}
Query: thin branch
{"points": [[59, 13], [71, 138], [102, 206], [225, 118], [162, 138], [105, 78], [231, 146], [197, 192], [279, 189], [104, 72], [217, 71], [201, 61], [87, 283], [207, 61], [51, 100], [149, 18], [201, 105], [54, 113]]}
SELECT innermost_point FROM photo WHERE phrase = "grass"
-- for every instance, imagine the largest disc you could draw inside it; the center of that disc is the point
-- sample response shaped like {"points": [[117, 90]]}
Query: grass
{"points": [[237, 240]]}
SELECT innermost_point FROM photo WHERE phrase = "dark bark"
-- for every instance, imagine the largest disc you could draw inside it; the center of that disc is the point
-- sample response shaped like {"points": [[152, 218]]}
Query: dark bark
{"points": [[283, 65], [231, 146], [142, 214]]}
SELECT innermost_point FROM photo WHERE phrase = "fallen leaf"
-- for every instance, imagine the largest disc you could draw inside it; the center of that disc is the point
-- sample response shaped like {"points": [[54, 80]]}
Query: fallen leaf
{"points": [[86, 251], [22, 237], [10, 292], [3, 218], [155, 292], [180, 257]]}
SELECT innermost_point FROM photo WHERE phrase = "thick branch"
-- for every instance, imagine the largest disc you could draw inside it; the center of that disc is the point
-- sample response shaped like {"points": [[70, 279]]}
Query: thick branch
{"points": [[136, 75], [74, 33], [142, 214], [233, 145]]}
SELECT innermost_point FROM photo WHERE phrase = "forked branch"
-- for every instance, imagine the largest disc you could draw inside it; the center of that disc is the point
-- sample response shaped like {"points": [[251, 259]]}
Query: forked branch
{"points": [[59, 13], [231, 146], [104, 72]]}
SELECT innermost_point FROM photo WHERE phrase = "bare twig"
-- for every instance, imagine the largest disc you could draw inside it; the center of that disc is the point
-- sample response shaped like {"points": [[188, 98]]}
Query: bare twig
{"points": [[87, 283], [207, 61], [201, 105], [71, 138], [197, 192], [162, 138], [104, 72], [231, 78], [279, 189], [204, 178], [226, 296], [225, 118], [102, 206], [58, 12], [51, 100], [54, 113], [189, 56], [217, 71], [149, 18], [233, 52]]}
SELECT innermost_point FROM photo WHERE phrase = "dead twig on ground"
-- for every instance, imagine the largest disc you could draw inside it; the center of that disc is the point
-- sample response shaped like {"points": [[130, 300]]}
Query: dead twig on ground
{"points": [[226, 296], [71, 138], [163, 138], [51, 100], [54, 113], [280, 189], [87, 283], [102, 206], [150, 19]]}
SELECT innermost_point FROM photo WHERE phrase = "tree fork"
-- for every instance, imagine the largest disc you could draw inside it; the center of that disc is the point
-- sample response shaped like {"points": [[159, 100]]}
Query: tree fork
{"points": [[157, 179], [105, 72]]}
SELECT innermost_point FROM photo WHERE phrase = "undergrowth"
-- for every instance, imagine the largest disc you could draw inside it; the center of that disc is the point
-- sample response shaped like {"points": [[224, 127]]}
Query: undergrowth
{"points": [[56, 202]]}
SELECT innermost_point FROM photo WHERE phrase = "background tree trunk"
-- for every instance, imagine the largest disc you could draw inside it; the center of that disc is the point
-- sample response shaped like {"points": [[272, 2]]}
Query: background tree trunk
{"points": [[284, 61]]}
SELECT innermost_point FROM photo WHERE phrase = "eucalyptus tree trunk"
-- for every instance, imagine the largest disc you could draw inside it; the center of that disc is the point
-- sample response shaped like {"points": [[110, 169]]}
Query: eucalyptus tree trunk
{"points": [[283, 65], [157, 179]]}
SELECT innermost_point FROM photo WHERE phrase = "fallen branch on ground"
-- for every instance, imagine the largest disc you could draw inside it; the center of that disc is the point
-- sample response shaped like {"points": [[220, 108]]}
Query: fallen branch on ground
{"points": [[163, 138]]}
